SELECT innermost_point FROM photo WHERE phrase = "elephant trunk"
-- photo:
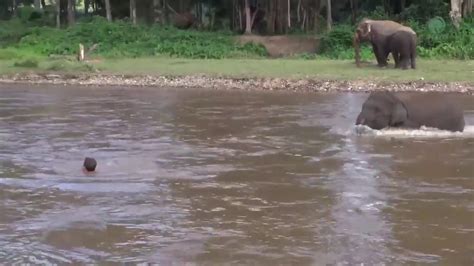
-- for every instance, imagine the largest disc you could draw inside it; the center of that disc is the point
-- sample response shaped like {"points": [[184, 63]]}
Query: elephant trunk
{"points": [[356, 44], [360, 120]]}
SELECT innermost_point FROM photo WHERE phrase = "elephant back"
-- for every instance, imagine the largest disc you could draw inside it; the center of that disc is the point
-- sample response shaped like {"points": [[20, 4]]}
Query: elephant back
{"points": [[388, 27]]}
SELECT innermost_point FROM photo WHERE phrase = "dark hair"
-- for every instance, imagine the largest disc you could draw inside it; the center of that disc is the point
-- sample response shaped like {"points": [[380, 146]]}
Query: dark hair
{"points": [[90, 164]]}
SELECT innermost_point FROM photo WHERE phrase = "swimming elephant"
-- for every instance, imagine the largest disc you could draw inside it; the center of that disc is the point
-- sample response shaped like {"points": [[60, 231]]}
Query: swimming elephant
{"points": [[377, 32], [407, 110], [402, 45]]}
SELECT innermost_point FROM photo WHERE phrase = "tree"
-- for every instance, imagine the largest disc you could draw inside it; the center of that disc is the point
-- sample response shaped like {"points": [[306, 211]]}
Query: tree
{"points": [[455, 13], [71, 16], [37, 4], [248, 20], [289, 14], [133, 11], [14, 7], [108, 10], [467, 8], [354, 10], [329, 15], [58, 14]]}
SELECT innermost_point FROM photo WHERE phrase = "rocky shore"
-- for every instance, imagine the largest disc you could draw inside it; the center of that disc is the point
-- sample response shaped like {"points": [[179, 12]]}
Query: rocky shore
{"points": [[229, 83]]}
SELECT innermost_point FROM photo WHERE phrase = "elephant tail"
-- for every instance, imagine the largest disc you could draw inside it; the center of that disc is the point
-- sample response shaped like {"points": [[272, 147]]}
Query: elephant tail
{"points": [[356, 44], [413, 53]]}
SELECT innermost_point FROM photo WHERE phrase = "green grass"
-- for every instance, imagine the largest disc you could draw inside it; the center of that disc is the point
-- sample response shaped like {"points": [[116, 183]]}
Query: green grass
{"points": [[428, 70]]}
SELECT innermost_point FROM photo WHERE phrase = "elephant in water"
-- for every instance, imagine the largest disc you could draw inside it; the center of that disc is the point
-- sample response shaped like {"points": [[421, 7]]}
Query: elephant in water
{"points": [[380, 34], [385, 109]]}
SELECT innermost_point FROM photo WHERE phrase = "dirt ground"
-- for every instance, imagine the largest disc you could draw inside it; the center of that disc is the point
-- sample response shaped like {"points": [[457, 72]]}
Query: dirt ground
{"points": [[283, 45]]}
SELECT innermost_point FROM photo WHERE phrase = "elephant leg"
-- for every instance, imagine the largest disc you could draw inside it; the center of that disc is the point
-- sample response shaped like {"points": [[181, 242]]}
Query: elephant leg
{"points": [[374, 49], [413, 62], [413, 58], [404, 61], [381, 56], [396, 58]]}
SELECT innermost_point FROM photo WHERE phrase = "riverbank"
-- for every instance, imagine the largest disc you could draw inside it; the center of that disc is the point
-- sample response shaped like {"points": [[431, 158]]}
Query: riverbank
{"points": [[248, 74]]}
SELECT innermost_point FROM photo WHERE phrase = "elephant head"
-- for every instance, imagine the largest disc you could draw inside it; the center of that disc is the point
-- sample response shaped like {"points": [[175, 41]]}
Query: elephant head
{"points": [[376, 32], [381, 110]]}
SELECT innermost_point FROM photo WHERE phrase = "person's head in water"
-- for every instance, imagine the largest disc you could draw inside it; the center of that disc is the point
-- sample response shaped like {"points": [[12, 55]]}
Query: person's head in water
{"points": [[90, 164]]}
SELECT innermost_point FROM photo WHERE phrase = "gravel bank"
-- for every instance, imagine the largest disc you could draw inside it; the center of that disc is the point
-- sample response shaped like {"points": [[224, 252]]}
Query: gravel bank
{"points": [[267, 84]]}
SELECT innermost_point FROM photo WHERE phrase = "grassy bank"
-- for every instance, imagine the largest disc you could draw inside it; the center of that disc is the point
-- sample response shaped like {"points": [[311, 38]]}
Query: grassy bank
{"points": [[121, 39], [428, 70]]}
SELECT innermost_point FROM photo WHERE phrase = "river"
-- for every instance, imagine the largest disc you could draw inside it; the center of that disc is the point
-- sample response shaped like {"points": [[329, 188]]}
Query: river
{"points": [[219, 177]]}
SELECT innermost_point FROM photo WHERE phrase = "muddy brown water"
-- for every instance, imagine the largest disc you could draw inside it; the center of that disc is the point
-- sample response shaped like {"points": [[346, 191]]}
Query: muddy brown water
{"points": [[219, 177]]}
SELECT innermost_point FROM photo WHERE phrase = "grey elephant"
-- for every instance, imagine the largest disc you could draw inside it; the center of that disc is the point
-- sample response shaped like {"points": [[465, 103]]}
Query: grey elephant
{"points": [[380, 33], [385, 109]]}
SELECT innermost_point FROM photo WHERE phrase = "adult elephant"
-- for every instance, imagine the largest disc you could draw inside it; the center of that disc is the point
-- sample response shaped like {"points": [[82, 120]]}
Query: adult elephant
{"points": [[377, 32], [407, 110]]}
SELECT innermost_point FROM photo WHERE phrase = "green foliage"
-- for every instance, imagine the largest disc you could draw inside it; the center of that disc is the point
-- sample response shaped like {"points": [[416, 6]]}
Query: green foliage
{"points": [[424, 10], [447, 42], [339, 37], [26, 63], [12, 31], [122, 39], [436, 25], [28, 13], [337, 44], [377, 13]]}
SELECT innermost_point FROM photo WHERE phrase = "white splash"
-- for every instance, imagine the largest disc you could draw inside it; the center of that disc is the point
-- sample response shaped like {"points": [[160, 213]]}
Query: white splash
{"points": [[423, 132]]}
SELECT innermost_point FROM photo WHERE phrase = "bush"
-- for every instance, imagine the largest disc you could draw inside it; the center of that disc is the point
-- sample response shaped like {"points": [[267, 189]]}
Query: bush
{"points": [[27, 63], [121, 39], [447, 41], [12, 31]]}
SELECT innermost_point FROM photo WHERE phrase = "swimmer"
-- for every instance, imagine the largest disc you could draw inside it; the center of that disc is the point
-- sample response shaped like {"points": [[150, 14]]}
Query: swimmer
{"points": [[90, 164]]}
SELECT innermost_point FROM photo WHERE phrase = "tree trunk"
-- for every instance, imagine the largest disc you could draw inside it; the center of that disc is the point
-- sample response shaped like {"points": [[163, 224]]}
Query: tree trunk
{"points": [[354, 10], [386, 6], [317, 11], [58, 14], [87, 4], [466, 8], [329, 15], [455, 13], [304, 21], [403, 4], [298, 11], [71, 18], [271, 17], [166, 14], [289, 14], [133, 11], [37, 4], [43, 3], [108, 10], [157, 11], [248, 20], [14, 7]]}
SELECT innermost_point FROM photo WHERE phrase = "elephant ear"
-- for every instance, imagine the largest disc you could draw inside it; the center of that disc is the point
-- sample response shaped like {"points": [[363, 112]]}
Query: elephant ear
{"points": [[399, 114]]}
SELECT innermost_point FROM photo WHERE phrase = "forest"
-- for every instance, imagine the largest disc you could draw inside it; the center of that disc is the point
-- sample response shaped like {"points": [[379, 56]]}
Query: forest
{"points": [[206, 28]]}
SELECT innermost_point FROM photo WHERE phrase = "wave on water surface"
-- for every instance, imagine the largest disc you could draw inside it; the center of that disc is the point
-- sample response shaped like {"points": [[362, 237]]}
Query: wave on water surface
{"points": [[423, 132]]}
